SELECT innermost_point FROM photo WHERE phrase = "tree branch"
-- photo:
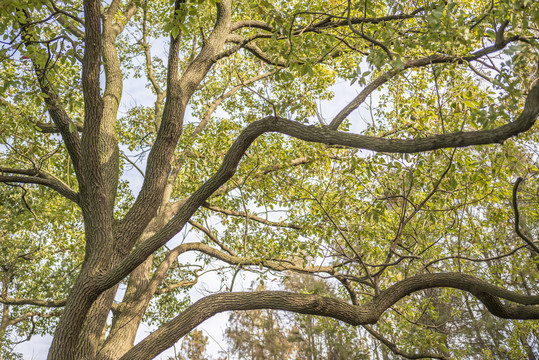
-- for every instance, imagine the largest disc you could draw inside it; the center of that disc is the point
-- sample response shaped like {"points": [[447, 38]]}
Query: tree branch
{"points": [[34, 176], [320, 135], [220, 99], [57, 113], [252, 217], [517, 218], [31, 314], [369, 313], [179, 92], [57, 12], [33, 302], [53, 129], [391, 346], [415, 63], [210, 236]]}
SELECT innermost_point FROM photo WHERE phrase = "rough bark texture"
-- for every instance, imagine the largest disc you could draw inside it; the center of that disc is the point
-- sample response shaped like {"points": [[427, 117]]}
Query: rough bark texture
{"points": [[119, 248], [369, 313]]}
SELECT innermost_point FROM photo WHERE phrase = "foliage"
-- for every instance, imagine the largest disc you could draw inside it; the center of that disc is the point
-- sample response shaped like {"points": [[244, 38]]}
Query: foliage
{"points": [[136, 132]]}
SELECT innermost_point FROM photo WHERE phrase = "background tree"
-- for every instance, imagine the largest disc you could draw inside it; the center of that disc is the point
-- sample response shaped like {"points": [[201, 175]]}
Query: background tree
{"points": [[193, 346], [265, 334], [423, 208]]}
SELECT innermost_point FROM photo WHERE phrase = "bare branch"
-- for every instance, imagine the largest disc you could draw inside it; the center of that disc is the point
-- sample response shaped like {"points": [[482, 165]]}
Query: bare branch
{"points": [[220, 99], [126, 158], [210, 236], [32, 314], [252, 217]]}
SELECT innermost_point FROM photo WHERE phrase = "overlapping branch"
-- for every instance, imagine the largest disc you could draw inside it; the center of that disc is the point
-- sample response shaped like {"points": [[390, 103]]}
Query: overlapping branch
{"points": [[520, 234]]}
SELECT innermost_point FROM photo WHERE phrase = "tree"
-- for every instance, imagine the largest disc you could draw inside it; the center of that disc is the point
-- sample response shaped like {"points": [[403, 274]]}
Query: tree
{"points": [[257, 334], [429, 217], [193, 346], [263, 334]]}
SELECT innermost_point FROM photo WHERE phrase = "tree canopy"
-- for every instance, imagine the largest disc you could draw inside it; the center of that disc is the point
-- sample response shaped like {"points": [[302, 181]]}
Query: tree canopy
{"points": [[417, 203]]}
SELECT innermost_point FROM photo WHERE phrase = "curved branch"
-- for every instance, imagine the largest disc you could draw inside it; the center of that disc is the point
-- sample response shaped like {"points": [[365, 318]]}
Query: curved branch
{"points": [[247, 44], [415, 63], [251, 24], [517, 217], [205, 308], [42, 178], [369, 313], [319, 135]]}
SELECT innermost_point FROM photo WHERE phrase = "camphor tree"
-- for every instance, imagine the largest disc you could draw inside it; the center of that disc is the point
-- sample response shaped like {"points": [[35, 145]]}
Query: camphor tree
{"points": [[425, 213]]}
